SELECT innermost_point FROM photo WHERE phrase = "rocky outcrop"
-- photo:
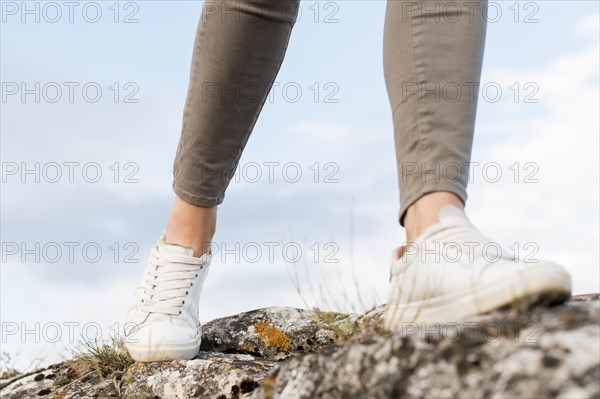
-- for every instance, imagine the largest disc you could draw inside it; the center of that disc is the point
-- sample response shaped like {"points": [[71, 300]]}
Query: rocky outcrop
{"points": [[209, 375], [276, 333], [293, 353], [545, 353]]}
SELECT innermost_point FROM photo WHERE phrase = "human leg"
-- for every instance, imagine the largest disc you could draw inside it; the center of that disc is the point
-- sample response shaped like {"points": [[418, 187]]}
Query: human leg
{"points": [[238, 51]]}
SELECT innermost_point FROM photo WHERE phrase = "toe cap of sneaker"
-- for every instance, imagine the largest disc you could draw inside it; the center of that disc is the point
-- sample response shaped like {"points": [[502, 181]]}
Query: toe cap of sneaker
{"points": [[150, 334]]}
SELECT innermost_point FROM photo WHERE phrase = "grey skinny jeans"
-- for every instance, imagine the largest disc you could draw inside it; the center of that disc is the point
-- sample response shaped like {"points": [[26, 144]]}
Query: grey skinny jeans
{"points": [[433, 51]]}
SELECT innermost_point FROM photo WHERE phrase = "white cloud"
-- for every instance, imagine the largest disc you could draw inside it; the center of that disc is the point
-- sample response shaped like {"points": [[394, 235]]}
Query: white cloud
{"points": [[560, 212]]}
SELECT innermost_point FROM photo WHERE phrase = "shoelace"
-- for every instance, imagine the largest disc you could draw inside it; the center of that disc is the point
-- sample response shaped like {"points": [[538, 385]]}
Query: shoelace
{"points": [[169, 282], [463, 236]]}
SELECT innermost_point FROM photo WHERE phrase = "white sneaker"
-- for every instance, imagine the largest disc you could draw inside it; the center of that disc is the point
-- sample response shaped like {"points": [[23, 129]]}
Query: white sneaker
{"points": [[452, 271], [163, 321]]}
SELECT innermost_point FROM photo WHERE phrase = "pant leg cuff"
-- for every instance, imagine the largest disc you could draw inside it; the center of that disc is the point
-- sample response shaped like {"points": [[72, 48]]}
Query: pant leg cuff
{"points": [[407, 200], [196, 200]]}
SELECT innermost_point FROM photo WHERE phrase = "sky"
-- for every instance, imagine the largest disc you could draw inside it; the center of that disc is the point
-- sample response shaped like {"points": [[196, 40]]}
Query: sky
{"points": [[310, 218]]}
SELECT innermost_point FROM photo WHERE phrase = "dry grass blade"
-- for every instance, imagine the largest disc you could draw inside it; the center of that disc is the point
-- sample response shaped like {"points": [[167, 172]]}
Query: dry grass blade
{"points": [[104, 357]]}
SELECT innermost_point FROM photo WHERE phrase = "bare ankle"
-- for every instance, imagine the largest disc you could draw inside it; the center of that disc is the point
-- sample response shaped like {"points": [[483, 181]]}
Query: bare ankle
{"points": [[424, 212], [191, 225]]}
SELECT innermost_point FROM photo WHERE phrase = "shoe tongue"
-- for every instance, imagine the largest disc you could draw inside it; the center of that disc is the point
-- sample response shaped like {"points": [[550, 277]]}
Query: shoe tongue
{"points": [[175, 249], [451, 211]]}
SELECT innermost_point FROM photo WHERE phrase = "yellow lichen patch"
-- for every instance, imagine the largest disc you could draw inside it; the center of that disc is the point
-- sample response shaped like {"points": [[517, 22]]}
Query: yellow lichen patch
{"points": [[271, 335], [268, 385], [337, 322], [245, 348]]}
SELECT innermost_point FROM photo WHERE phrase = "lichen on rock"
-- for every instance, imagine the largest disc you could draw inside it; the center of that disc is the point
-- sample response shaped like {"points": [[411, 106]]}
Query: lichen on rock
{"points": [[272, 336], [284, 352]]}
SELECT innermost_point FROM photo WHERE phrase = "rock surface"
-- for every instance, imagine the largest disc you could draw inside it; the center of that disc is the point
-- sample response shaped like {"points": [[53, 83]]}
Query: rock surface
{"points": [[292, 353], [276, 332]]}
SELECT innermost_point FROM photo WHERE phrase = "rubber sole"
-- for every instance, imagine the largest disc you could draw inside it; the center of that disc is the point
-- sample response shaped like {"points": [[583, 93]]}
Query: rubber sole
{"points": [[164, 352], [549, 284]]}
